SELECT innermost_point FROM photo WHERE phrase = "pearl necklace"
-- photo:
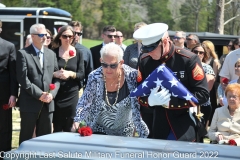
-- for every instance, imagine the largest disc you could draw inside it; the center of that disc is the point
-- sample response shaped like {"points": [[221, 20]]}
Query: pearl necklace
{"points": [[119, 79]]}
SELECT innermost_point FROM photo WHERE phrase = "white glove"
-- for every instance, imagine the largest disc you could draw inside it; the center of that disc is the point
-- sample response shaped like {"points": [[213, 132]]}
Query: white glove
{"points": [[159, 98], [191, 111]]}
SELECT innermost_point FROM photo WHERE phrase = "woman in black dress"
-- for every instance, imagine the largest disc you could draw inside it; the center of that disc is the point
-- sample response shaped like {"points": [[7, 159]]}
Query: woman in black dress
{"points": [[70, 63]]}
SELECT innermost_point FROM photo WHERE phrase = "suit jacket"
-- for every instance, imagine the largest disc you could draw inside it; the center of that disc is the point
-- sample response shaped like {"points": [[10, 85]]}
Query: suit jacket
{"points": [[8, 81], [223, 123], [131, 55], [96, 55], [88, 62], [34, 80]]}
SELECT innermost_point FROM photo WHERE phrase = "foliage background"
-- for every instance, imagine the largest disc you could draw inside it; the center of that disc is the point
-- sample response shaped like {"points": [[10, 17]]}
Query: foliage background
{"points": [[186, 15]]}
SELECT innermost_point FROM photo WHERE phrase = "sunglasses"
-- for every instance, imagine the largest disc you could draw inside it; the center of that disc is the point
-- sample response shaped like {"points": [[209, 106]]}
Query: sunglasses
{"points": [[67, 36], [49, 37], [111, 36], [200, 52], [177, 37], [78, 33], [189, 39], [113, 66], [40, 35], [118, 36], [151, 47]]}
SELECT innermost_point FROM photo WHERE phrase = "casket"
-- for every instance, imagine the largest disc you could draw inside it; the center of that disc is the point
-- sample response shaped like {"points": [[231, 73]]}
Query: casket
{"points": [[65, 145]]}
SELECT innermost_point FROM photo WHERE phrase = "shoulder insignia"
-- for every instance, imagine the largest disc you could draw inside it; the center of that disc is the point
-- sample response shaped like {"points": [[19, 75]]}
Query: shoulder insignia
{"points": [[197, 73], [139, 76]]}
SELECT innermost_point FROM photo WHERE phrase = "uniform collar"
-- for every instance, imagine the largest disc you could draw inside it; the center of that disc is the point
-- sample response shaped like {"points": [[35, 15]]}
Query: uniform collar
{"points": [[169, 54]]}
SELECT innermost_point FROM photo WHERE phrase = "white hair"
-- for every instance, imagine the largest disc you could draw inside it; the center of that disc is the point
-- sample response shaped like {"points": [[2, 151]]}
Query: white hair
{"points": [[34, 28], [112, 49], [29, 39]]}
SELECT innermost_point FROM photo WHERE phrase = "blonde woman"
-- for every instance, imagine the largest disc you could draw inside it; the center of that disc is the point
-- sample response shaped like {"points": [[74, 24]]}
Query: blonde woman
{"points": [[211, 58]]}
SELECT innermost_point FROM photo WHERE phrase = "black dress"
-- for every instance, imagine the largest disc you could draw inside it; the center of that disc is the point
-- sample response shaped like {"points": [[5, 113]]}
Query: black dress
{"points": [[68, 93]]}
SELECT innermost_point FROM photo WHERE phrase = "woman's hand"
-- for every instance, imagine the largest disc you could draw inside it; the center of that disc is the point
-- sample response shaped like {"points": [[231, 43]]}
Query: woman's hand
{"points": [[57, 74], [221, 101], [75, 127], [65, 74]]}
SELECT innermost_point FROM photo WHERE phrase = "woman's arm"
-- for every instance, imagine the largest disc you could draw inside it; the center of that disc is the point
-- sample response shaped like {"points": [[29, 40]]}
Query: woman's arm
{"points": [[213, 130]]}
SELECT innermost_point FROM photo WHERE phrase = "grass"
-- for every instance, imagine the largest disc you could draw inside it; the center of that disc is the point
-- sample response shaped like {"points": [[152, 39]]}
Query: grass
{"points": [[90, 43]]}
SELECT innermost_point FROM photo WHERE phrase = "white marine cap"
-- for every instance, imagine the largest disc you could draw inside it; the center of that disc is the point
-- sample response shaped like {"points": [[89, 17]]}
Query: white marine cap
{"points": [[151, 33]]}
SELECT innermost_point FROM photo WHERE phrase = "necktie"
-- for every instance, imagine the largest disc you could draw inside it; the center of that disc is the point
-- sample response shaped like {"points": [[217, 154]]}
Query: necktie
{"points": [[40, 54]]}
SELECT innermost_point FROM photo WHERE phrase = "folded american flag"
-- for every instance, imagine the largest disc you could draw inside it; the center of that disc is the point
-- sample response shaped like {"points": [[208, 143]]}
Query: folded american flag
{"points": [[164, 77]]}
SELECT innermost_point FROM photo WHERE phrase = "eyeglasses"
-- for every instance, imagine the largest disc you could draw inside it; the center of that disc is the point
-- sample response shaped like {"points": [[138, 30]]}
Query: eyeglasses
{"points": [[189, 39], [78, 33], [49, 37], [151, 47], [111, 36], [40, 35], [118, 36], [233, 97], [113, 66], [200, 52], [67, 36], [177, 37]]}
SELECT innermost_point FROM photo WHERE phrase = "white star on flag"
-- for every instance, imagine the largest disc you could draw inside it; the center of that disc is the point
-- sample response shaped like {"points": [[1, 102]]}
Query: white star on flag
{"points": [[173, 82], [188, 97], [160, 68], [158, 82], [144, 84], [174, 95]]}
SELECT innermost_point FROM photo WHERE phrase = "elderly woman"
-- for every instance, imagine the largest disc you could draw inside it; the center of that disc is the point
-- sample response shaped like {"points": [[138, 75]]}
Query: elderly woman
{"points": [[225, 126], [210, 76], [105, 105]]}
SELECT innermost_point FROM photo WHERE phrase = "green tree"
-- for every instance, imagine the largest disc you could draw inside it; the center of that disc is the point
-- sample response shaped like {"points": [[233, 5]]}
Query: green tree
{"points": [[195, 15], [158, 12]]}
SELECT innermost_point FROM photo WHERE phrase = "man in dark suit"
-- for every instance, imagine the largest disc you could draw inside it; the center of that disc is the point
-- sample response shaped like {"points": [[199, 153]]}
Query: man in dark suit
{"points": [[8, 92], [108, 36], [35, 67], [87, 55]]}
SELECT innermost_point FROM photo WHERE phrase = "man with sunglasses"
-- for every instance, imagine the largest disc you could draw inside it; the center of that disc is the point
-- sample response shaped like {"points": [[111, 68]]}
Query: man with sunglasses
{"points": [[171, 118], [192, 40], [119, 40], [35, 67], [87, 55], [108, 36], [179, 39]]}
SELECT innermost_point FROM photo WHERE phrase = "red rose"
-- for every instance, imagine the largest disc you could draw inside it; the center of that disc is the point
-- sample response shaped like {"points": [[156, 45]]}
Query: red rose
{"points": [[225, 80], [5, 106], [71, 53], [232, 142], [85, 131], [51, 86]]}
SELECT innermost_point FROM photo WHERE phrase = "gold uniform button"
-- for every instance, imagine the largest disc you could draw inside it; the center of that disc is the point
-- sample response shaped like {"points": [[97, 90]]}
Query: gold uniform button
{"points": [[185, 104], [145, 102], [171, 105], [166, 57], [179, 106], [178, 50]]}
